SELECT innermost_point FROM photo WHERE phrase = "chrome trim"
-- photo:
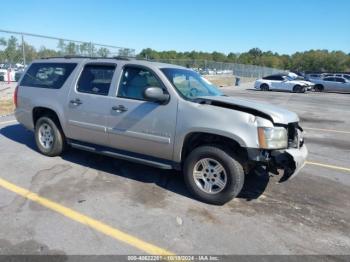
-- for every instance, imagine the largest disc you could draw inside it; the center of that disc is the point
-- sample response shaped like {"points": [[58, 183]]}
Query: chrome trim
{"points": [[138, 135], [88, 125]]}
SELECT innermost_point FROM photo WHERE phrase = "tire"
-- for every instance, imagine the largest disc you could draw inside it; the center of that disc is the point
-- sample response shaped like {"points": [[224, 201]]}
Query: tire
{"points": [[232, 173], [264, 87], [318, 88], [297, 89], [49, 137]]}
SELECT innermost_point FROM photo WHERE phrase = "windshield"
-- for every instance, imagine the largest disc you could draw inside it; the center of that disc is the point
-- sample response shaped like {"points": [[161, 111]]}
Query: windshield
{"points": [[190, 84]]}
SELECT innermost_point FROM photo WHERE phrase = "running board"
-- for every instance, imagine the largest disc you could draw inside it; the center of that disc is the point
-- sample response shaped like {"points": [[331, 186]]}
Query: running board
{"points": [[106, 152]]}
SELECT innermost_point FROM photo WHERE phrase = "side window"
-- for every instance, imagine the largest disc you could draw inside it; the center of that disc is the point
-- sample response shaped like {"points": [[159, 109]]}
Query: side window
{"points": [[329, 79], [268, 78], [339, 80], [134, 82], [47, 75], [189, 85], [96, 79]]}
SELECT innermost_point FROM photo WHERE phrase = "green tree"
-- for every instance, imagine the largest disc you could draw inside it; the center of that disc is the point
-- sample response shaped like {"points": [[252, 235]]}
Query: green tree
{"points": [[103, 52], [61, 47], [44, 52], [11, 51], [71, 49]]}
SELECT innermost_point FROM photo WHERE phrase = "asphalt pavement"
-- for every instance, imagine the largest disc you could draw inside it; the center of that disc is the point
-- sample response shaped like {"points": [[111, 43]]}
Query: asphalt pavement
{"points": [[85, 204]]}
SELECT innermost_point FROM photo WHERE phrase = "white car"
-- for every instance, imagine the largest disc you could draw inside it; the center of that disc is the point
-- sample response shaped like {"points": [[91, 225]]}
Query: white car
{"points": [[282, 83]]}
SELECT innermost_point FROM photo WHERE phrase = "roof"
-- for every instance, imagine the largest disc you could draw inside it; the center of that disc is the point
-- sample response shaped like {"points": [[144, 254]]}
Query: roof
{"points": [[119, 60]]}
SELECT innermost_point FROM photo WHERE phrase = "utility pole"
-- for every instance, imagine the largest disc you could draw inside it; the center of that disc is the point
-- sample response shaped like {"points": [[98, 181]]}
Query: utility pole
{"points": [[23, 51]]}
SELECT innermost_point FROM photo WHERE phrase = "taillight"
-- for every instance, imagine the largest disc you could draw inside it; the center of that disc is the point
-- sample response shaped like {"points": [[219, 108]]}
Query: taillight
{"points": [[15, 95]]}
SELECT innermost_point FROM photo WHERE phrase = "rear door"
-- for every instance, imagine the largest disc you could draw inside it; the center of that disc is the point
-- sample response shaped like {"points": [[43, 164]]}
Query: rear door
{"points": [[88, 104]]}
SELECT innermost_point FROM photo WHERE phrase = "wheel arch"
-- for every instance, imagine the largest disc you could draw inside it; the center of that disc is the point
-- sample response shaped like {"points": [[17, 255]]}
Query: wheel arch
{"points": [[41, 111], [264, 84], [199, 138], [319, 87]]}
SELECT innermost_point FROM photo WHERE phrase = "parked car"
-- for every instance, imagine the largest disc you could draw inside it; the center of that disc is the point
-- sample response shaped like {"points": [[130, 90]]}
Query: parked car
{"points": [[282, 82], [339, 84], [346, 76], [311, 77], [160, 115]]}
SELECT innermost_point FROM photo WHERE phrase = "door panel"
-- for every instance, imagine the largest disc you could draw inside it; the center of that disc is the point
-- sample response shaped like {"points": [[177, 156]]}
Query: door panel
{"points": [[87, 121], [140, 126], [145, 128], [274, 85]]}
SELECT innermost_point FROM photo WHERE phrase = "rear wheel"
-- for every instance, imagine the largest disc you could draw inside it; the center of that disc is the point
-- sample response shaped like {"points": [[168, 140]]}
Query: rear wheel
{"points": [[318, 88], [48, 137], [213, 175], [264, 87]]}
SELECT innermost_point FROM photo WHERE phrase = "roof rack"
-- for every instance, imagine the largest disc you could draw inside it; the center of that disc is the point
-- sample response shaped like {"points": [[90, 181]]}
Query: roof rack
{"points": [[91, 57]]}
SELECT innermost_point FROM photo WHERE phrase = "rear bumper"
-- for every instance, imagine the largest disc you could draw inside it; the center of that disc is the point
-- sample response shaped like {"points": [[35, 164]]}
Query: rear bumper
{"points": [[25, 118]]}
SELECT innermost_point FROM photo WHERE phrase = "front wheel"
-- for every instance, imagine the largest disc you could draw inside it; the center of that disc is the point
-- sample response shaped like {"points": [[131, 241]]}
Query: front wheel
{"points": [[299, 89], [213, 175], [48, 137]]}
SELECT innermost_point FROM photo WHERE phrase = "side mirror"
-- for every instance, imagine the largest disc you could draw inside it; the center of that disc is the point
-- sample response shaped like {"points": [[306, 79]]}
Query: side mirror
{"points": [[155, 94]]}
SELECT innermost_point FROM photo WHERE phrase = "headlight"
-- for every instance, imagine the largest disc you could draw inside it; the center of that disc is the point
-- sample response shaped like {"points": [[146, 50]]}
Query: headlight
{"points": [[273, 137]]}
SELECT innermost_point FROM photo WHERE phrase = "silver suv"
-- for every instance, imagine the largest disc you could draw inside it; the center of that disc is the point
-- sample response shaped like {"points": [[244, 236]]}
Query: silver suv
{"points": [[160, 115]]}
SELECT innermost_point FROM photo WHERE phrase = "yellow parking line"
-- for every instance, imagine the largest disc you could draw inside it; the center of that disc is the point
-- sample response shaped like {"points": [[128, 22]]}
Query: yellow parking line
{"points": [[327, 130], [85, 220], [8, 122], [328, 166]]}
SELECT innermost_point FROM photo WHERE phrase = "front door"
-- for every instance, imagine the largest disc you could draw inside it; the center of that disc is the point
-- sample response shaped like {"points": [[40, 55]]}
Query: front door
{"points": [[89, 104], [140, 126]]}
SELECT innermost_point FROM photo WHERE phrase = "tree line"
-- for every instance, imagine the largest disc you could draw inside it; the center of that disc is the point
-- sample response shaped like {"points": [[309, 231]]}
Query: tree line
{"points": [[11, 51], [308, 61]]}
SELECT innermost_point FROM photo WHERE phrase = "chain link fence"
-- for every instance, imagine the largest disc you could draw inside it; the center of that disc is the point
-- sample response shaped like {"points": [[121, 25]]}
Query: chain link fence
{"points": [[206, 67], [18, 49]]}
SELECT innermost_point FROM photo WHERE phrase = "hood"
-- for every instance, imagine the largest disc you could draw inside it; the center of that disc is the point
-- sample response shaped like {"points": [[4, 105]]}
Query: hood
{"points": [[301, 82], [276, 114]]}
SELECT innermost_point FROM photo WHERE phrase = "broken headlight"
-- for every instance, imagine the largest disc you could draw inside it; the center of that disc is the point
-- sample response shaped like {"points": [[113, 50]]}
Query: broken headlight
{"points": [[273, 137]]}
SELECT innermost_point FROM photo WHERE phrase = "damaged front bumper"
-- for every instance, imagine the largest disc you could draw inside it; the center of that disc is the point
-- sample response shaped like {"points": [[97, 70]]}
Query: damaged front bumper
{"points": [[290, 160]]}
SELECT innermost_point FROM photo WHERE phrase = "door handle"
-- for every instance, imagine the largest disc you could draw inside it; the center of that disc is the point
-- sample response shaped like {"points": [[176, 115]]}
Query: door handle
{"points": [[119, 109], [76, 102]]}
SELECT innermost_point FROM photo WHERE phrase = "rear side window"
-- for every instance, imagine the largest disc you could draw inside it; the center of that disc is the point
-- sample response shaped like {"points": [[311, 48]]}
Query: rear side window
{"points": [[340, 80], [47, 75], [276, 78], [268, 77], [96, 79]]}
